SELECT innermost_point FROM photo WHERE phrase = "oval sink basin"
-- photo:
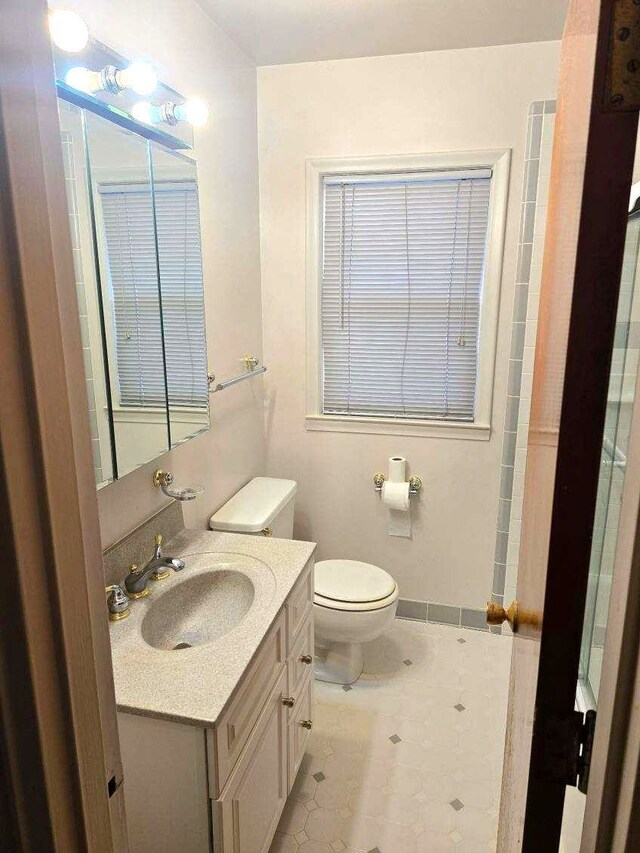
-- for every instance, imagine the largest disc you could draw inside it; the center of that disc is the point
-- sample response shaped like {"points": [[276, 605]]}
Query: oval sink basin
{"points": [[198, 610]]}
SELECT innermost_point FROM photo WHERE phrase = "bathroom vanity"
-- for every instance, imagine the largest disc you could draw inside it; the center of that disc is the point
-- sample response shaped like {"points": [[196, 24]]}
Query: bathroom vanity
{"points": [[214, 684]]}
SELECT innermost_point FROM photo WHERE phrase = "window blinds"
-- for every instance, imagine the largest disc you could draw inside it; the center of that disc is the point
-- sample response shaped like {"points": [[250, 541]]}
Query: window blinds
{"points": [[402, 272], [127, 211]]}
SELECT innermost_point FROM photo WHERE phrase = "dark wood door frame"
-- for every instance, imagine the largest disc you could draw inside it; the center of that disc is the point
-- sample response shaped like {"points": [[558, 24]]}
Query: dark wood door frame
{"points": [[58, 739]]}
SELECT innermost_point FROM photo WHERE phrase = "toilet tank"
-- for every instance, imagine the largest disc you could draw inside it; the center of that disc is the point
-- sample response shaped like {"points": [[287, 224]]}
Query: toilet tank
{"points": [[264, 507]]}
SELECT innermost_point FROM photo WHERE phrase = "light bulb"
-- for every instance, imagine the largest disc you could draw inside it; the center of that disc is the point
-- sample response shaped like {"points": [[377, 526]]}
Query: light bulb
{"points": [[140, 77], [195, 111], [146, 113], [68, 30], [83, 80]]}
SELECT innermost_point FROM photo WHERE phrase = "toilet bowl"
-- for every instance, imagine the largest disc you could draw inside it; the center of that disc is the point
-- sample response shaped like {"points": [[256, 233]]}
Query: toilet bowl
{"points": [[354, 602]]}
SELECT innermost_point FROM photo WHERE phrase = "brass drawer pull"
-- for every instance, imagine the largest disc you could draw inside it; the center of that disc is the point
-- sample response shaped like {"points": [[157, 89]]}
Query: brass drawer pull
{"points": [[306, 724], [306, 659], [289, 701]]}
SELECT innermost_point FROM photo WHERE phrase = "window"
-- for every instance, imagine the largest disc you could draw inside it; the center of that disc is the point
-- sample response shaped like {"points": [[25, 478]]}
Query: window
{"points": [[403, 271], [128, 216]]}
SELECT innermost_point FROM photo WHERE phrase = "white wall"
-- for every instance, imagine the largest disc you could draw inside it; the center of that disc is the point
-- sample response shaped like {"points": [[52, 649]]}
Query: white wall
{"points": [[430, 102], [195, 57]]}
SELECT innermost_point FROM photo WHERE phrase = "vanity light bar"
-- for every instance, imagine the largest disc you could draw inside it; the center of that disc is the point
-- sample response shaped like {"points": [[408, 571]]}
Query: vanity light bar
{"points": [[139, 77], [194, 111]]}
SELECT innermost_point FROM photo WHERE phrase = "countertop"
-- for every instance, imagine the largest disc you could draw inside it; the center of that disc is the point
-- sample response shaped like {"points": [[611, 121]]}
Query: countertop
{"points": [[194, 685]]}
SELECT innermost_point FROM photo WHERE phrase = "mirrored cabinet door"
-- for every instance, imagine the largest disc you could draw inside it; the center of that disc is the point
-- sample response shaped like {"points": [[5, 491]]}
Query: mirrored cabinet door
{"points": [[125, 236], [89, 302], [135, 226], [175, 196]]}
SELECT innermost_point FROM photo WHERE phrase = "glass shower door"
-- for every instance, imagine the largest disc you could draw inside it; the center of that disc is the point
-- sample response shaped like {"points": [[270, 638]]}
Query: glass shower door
{"points": [[624, 369]]}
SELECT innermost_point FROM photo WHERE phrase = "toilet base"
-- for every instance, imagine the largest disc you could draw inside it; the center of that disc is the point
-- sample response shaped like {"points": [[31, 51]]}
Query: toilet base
{"points": [[339, 663]]}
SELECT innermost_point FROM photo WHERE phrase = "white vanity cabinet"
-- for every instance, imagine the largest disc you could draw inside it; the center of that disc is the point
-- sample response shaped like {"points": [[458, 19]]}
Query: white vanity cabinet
{"points": [[222, 789]]}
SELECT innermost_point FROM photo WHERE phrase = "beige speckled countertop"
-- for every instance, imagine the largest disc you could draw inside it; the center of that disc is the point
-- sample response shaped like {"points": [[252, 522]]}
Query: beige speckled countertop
{"points": [[193, 685]]}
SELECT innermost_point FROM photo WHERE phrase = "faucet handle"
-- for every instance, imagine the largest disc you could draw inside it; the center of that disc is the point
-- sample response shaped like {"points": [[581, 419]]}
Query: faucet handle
{"points": [[117, 603]]}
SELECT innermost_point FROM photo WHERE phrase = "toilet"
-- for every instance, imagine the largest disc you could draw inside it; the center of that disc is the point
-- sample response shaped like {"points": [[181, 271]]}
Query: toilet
{"points": [[354, 602]]}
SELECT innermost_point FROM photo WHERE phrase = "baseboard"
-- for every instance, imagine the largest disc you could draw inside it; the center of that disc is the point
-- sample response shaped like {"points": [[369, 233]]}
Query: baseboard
{"points": [[444, 614]]}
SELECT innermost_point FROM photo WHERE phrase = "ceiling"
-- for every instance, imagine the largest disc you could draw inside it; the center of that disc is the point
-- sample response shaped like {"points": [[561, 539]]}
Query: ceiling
{"points": [[272, 32]]}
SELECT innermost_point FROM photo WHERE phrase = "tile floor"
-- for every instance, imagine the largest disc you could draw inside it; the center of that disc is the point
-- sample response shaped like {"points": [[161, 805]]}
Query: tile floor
{"points": [[409, 759]]}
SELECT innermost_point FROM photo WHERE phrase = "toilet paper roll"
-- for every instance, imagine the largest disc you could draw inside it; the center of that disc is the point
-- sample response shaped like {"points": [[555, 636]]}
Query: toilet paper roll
{"points": [[395, 495], [397, 469]]}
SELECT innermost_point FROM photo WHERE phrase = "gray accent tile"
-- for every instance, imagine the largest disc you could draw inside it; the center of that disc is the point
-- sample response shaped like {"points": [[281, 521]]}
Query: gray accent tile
{"points": [[527, 221], [443, 613], [474, 619], [534, 137], [506, 481], [395, 739], [319, 777], [408, 609], [518, 331], [496, 629], [511, 413], [520, 302], [515, 377], [460, 707], [531, 170], [536, 108], [504, 514], [407, 662], [551, 106], [461, 640], [502, 543], [137, 546], [497, 597], [523, 270], [456, 804], [509, 444], [499, 577]]}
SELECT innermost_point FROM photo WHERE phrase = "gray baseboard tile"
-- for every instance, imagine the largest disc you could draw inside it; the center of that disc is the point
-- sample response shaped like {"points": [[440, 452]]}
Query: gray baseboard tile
{"points": [[442, 614]]}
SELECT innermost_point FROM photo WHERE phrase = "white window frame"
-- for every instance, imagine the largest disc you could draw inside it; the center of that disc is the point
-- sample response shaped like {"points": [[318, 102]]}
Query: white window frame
{"points": [[498, 160]]}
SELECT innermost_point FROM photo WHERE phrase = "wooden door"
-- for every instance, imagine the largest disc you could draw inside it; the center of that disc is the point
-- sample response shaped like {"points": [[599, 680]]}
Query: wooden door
{"points": [[592, 164], [60, 769]]}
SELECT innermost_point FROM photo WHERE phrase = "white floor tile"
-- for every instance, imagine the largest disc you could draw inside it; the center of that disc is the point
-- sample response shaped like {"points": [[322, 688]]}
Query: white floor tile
{"points": [[411, 757]]}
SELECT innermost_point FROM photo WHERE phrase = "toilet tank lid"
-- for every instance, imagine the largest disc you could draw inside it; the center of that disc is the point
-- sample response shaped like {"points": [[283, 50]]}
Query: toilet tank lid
{"points": [[255, 506]]}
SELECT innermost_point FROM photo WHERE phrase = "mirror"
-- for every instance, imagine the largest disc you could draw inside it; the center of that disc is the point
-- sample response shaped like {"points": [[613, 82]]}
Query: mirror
{"points": [[133, 208], [175, 192]]}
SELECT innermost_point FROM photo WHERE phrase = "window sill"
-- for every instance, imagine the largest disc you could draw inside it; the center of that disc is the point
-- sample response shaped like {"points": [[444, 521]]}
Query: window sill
{"points": [[388, 426]]}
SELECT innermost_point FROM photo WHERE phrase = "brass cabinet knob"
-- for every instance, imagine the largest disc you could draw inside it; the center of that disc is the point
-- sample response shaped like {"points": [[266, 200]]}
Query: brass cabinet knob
{"points": [[306, 659], [306, 724], [496, 614], [267, 531], [288, 701]]}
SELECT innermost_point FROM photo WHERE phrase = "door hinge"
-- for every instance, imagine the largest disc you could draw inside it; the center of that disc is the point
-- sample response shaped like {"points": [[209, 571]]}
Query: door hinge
{"points": [[622, 89], [565, 746]]}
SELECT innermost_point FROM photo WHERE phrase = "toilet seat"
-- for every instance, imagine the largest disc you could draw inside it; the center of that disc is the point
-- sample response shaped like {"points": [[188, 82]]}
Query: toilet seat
{"points": [[353, 585]]}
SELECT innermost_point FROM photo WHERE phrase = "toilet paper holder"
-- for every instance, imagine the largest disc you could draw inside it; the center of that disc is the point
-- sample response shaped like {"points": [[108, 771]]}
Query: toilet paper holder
{"points": [[415, 483]]}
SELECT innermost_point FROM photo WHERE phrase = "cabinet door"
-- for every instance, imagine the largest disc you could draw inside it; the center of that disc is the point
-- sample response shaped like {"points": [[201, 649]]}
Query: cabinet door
{"points": [[299, 729], [247, 813]]}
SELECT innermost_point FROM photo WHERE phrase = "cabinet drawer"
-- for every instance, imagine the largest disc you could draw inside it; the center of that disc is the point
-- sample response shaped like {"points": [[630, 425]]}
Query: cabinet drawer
{"points": [[300, 660], [232, 730], [299, 729], [247, 814], [299, 604]]}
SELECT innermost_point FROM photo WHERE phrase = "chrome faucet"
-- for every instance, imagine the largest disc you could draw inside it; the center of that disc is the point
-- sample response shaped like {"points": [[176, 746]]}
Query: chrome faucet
{"points": [[157, 568]]}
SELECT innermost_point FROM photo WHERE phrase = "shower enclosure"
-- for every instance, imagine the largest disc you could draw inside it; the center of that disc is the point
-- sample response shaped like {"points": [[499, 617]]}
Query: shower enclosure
{"points": [[624, 369]]}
